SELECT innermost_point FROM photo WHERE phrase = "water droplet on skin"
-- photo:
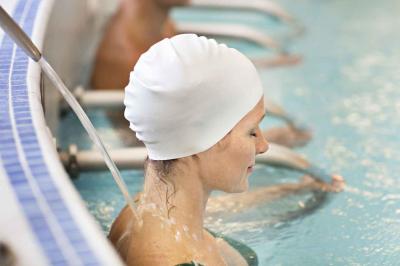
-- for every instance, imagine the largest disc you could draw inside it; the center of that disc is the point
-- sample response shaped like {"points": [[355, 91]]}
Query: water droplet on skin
{"points": [[163, 220], [178, 236], [170, 222], [185, 228], [140, 223]]}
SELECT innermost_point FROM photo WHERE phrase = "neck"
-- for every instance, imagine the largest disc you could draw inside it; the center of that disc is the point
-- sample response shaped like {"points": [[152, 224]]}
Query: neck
{"points": [[144, 20], [180, 197]]}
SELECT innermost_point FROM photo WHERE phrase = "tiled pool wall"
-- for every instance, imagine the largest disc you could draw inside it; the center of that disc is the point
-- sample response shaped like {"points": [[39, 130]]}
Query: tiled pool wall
{"points": [[37, 198]]}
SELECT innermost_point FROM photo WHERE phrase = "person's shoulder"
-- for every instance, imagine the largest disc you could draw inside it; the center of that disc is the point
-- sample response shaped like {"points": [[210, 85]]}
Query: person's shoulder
{"points": [[119, 225], [157, 248], [149, 242]]}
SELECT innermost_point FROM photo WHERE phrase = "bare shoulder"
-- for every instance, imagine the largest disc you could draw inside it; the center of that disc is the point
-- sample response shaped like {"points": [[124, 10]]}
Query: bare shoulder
{"points": [[152, 243], [119, 225]]}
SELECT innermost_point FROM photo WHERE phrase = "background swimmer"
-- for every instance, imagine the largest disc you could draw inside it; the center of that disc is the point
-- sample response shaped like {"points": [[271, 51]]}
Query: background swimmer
{"points": [[136, 26]]}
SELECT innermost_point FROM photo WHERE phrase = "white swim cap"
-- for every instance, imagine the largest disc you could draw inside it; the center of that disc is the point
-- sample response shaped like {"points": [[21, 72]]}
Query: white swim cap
{"points": [[186, 93]]}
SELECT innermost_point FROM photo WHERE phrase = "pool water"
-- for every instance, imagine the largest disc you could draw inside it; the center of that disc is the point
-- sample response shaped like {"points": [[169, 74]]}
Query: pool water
{"points": [[347, 91]]}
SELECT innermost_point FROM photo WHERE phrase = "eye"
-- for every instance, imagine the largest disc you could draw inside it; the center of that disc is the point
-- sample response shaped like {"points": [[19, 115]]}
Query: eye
{"points": [[253, 133]]}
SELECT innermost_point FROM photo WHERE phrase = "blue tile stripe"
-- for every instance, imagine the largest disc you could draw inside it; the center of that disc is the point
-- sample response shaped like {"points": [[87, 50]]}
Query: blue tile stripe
{"points": [[20, 154]]}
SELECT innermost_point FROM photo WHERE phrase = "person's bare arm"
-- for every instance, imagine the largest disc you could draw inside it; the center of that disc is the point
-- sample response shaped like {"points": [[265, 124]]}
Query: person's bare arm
{"points": [[288, 136], [242, 201]]}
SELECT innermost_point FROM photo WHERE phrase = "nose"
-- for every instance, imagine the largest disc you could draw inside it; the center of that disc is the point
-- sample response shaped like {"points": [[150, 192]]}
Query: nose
{"points": [[262, 144]]}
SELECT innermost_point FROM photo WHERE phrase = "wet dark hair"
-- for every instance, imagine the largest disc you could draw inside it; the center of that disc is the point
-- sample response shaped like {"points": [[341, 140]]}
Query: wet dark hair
{"points": [[163, 168]]}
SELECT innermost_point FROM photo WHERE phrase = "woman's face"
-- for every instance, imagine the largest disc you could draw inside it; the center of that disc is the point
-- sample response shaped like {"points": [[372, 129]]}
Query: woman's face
{"points": [[227, 165]]}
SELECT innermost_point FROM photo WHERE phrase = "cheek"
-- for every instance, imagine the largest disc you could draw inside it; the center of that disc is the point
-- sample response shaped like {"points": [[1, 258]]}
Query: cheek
{"points": [[241, 157], [226, 171], [214, 170], [245, 154]]}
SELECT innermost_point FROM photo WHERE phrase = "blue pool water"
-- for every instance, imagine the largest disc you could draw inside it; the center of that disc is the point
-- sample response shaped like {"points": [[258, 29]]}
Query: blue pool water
{"points": [[347, 91]]}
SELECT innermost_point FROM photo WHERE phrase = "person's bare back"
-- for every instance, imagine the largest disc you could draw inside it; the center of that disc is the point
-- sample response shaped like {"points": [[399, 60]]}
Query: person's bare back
{"points": [[136, 26]]}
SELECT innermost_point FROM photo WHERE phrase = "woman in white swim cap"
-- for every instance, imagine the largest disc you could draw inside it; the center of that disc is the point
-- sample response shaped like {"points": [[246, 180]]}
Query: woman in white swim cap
{"points": [[196, 105]]}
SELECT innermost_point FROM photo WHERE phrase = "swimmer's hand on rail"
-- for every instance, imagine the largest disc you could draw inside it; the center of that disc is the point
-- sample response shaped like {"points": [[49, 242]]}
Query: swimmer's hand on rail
{"points": [[337, 184]]}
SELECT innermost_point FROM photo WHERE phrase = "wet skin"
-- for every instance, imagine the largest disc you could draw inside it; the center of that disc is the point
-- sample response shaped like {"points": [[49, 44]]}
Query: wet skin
{"points": [[136, 25]]}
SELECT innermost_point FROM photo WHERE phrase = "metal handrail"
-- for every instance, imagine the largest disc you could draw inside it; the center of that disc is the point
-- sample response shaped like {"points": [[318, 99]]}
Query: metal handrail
{"points": [[262, 6], [230, 30], [238, 31], [18, 35], [133, 158], [114, 99]]}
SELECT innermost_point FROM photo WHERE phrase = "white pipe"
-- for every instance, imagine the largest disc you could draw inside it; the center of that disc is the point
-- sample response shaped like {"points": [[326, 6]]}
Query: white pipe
{"points": [[133, 158], [263, 6], [281, 156], [115, 98], [100, 99], [127, 158], [281, 59], [230, 30], [246, 33], [275, 110]]}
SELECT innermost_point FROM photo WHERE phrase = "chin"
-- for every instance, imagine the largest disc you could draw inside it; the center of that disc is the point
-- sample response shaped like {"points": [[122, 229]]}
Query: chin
{"points": [[243, 186]]}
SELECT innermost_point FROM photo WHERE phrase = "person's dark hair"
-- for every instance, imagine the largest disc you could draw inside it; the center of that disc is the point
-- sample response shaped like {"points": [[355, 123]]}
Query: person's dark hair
{"points": [[163, 168]]}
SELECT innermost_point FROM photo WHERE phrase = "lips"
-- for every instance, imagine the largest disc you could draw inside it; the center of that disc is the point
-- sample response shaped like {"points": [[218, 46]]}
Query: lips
{"points": [[250, 169]]}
